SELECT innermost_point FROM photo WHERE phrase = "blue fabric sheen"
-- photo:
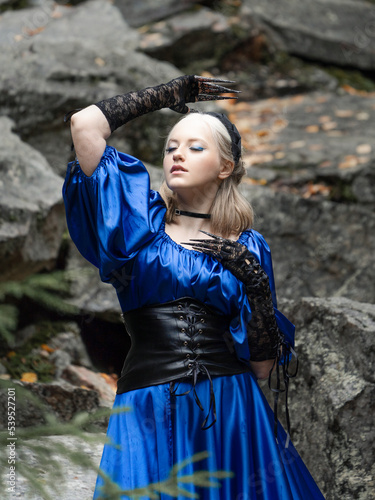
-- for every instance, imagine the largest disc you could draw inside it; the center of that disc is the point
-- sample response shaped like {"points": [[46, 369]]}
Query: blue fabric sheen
{"points": [[117, 223]]}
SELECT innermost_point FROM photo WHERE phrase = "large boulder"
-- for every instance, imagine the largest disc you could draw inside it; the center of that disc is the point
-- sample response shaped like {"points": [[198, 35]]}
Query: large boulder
{"points": [[31, 208], [330, 31], [319, 143], [332, 399], [319, 248], [148, 11], [55, 59]]}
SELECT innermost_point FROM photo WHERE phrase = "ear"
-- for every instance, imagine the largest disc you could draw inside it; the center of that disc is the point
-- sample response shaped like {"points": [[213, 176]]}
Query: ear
{"points": [[226, 169]]}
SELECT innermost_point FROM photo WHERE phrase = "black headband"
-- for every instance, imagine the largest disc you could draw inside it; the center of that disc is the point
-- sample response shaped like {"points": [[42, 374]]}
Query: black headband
{"points": [[233, 132]]}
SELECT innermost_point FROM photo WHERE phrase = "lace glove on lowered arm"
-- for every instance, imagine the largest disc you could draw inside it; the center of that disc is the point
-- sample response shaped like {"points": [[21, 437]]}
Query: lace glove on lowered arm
{"points": [[265, 339], [175, 94], [264, 336]]}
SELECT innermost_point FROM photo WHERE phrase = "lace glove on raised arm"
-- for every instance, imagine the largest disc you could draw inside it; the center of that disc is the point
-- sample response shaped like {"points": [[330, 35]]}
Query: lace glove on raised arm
{"points": [[264, 336], [174, 95]]}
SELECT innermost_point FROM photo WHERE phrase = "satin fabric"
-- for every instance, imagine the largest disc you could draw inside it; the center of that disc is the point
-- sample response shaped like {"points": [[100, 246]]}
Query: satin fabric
{"points": [[117, 223]]}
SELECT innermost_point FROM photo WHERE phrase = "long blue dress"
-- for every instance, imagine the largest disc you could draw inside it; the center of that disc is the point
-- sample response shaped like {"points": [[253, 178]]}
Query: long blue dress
{"points": [[117, 223]]}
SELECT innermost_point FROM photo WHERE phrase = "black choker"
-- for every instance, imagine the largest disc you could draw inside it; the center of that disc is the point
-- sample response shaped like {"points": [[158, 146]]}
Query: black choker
{"points": [[192, 214]]}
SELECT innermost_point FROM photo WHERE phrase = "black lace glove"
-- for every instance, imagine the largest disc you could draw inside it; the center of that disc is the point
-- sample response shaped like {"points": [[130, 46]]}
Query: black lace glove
{"points": [[265, 339], [174, 95], [264, 336]]}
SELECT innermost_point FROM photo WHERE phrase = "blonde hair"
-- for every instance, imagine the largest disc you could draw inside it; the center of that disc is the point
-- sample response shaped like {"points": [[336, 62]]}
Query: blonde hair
{"points": [[230, 212]]}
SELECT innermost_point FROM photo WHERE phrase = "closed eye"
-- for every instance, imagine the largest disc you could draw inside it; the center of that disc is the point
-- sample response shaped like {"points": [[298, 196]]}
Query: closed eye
{"points": [[197, 148], [169, 150]]}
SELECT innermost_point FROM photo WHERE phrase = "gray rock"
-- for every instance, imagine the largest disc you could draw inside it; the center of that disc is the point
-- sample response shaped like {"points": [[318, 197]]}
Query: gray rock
{"points": [[332, 398], [322, 138], [148, 11], [75, 482], [66, 58], [319, 248], [70, 343], [31, 208], [331, 31], [58, 398], [190, 40]]}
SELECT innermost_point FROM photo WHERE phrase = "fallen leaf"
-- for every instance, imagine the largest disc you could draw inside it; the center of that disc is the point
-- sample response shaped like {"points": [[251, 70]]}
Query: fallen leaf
{"points": [[314, 189], [344, 113], [29, 377], [363, 115], [363, 149], [312, 129], [47, 348], [279, 155], [315, 147], [263, 133], [36, 31], [258, 159], [297, 144], [99, 61], [329, 125], [350, 161], [325, 164], [255, 182], [325, 119]]}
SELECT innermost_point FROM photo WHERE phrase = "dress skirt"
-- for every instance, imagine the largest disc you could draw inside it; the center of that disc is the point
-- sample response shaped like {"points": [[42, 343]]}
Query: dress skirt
{"points": [[159, 430]]}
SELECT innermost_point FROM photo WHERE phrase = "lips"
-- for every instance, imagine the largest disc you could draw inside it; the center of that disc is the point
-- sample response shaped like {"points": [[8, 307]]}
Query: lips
{"points": [[178, 168]]}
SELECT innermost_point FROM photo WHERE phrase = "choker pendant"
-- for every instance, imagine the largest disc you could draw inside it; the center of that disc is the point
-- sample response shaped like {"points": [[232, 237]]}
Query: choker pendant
{"points": [[192, 214]]}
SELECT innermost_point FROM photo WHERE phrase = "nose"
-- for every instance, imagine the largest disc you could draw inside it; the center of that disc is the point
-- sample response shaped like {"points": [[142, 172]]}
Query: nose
{"points": [[178, 155]]}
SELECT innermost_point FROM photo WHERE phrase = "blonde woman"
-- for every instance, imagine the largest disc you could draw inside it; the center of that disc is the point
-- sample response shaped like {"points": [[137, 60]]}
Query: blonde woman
{"points": [[200, 307]]}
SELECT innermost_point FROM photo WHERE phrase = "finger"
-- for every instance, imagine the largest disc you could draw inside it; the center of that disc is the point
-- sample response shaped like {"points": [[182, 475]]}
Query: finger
{"points": [[214, 236], [210, 87], [206, 244], [210, 97], [213, 80]]}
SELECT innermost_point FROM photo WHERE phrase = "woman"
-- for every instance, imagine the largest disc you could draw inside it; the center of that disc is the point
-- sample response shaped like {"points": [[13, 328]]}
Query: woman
{"points": [[198, 302]]}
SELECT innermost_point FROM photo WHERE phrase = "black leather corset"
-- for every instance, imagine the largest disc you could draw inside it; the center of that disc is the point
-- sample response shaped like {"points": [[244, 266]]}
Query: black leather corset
{"points": [[176, 340]]}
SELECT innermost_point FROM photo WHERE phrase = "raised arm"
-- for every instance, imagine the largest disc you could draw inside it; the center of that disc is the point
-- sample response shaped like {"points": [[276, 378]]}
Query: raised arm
{"points": [[92, 126], [90, 130]]}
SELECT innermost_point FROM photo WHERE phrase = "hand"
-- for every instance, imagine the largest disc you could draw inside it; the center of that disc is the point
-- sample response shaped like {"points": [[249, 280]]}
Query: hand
{"points": [[237, 258], [192, 88]]}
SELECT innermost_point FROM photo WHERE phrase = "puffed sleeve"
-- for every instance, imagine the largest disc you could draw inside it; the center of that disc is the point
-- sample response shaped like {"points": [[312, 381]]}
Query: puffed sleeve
{"points": [[258, 247], [112, 213]]}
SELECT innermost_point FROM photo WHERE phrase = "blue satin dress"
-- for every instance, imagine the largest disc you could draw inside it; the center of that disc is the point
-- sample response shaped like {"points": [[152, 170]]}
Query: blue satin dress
{"points": [[117, 223]]}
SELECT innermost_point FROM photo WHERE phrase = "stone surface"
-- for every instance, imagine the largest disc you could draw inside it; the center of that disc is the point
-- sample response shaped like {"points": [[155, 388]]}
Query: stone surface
{"points": [[102, 383], [319, 248], [313, 144], [149, 11], [331, 31], [76, 483], [199, 35], [332, 399], [60, 398], [31, 208]]}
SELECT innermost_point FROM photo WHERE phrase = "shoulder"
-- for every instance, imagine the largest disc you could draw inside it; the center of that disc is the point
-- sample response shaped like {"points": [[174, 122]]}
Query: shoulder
{"points": [[254, 240]]}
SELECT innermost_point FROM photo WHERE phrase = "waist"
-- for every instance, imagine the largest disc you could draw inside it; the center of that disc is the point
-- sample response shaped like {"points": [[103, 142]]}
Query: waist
{"points": [[175, 340]]}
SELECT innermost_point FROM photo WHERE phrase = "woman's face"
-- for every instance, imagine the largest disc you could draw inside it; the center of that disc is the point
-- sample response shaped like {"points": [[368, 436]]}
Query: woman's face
{"points": [[192, 158]]}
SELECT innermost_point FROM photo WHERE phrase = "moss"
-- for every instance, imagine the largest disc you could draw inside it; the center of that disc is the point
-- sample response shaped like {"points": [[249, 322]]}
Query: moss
{"points": [[342, 192], [14, 5], [30, 357], [354, 78]]}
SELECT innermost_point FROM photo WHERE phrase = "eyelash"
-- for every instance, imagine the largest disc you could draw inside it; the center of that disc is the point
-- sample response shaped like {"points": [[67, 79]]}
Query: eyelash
{"points": [[194, 148]]}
